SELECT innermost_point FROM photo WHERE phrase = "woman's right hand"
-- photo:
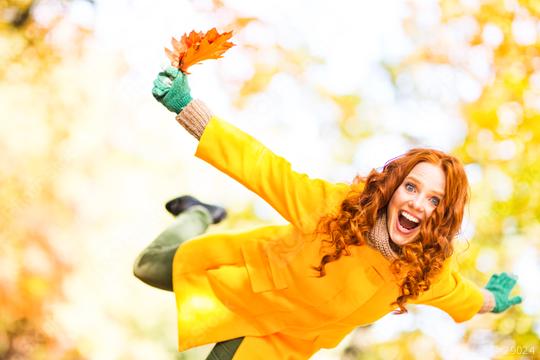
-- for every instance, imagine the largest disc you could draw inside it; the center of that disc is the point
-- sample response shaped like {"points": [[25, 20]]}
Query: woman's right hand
{"points": [[171, 88]]}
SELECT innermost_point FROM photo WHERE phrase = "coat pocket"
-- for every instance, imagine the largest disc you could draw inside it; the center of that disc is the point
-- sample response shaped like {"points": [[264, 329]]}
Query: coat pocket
{"points": [[266, 270], [359, 286]]}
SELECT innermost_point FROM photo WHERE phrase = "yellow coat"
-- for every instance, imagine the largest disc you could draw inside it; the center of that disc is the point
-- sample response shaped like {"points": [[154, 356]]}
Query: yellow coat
{"points": [[259, 284]]}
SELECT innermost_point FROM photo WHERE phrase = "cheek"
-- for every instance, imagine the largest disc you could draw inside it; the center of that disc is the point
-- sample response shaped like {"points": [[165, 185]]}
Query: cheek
{"points": [[429, 211], [393, 201], [396, 202], [399, 197]]}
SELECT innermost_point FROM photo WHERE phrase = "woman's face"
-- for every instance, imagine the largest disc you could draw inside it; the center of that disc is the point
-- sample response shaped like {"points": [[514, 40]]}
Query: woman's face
{"points": [[414, 201]]}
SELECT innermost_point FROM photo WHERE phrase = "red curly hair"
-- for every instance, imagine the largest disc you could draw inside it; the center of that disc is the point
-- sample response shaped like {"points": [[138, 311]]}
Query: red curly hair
{"points": [[368, 199]]}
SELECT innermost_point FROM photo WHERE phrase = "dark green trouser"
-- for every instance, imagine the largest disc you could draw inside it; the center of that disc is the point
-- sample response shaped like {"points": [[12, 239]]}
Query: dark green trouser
{"points": [[225, 349], [153, 266]]}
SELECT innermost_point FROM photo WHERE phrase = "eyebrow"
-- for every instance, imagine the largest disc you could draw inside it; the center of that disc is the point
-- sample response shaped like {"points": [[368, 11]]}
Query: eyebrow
{"points": [[441, 194]]}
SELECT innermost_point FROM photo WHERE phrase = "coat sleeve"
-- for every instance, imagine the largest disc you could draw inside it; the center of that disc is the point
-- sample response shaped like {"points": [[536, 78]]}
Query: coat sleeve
{"points": [[453, 293], [300, 199]]}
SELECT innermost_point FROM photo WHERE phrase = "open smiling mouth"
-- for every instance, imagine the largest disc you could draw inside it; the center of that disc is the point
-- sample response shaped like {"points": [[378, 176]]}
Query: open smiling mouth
{"points": [[407, 222]]}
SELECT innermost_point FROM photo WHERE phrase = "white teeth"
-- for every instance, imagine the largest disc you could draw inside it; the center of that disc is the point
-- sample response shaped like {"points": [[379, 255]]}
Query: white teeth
{"points": [[410, 217]]}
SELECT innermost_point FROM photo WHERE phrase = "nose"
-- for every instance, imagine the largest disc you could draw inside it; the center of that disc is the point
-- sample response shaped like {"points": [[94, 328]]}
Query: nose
{"points": [[416, 203]]}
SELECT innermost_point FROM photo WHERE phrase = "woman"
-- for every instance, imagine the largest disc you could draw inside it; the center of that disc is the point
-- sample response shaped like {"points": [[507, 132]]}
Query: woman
{"points": [[349, 255]]}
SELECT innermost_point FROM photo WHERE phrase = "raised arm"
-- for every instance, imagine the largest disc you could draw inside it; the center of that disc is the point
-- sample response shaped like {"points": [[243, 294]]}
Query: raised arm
{"points": [[298, 198], [462, 299]]}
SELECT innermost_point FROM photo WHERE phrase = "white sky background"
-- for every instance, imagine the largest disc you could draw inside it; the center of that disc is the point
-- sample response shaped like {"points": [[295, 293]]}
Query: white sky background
{"points": [[156, 159]]}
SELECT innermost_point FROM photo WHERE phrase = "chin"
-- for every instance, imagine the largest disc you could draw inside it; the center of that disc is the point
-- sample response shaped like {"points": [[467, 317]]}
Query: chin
{"points": [[401, 240]]}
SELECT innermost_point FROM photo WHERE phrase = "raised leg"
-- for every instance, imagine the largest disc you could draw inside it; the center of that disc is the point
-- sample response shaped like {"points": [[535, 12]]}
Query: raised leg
{"points": [[153, 266]]}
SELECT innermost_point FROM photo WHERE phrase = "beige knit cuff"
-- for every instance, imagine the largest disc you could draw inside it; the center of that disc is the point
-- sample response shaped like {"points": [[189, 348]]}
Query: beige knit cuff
{"points": [[194, 117], [489, 301]]}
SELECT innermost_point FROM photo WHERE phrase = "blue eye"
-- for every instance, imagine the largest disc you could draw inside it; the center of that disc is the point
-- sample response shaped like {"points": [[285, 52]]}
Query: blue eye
{"points": [[409, 187], [435, 201]]}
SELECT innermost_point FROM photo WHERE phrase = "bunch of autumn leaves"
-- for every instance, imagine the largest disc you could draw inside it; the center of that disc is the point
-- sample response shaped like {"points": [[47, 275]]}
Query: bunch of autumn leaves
{"points": [[193, 48]]}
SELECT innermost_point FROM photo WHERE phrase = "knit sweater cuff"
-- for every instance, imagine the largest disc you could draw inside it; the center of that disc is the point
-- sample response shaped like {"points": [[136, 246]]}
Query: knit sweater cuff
{"points": [[194, 117], [489, 301]]}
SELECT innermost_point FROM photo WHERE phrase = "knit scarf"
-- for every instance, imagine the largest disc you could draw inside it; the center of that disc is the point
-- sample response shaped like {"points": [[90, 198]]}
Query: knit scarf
{"points": [[379, 239]]}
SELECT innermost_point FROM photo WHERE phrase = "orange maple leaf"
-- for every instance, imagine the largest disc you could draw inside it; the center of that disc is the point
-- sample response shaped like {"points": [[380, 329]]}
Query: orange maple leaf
{"points": [[193, 48]]}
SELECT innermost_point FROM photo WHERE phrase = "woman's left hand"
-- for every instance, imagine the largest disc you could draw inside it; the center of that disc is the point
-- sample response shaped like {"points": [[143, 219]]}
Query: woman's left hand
{"points": [[501, 285]]}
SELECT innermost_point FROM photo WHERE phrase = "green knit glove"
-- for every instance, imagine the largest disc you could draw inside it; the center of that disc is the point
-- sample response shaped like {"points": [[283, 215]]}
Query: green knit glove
{"points": [[171, 88], [501, 286]]}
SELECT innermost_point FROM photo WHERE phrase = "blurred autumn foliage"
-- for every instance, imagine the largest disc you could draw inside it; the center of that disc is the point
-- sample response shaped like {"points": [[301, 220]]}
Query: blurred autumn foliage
{"points": [[32, 264]]}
